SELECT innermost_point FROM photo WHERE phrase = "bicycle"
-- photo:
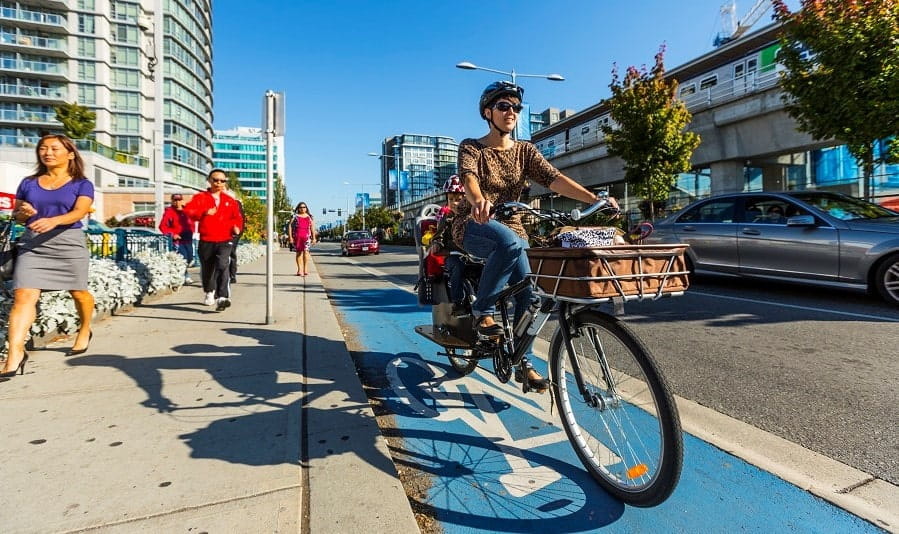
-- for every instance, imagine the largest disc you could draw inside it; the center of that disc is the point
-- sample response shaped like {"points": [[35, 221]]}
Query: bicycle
{"points": [[615, 405]]}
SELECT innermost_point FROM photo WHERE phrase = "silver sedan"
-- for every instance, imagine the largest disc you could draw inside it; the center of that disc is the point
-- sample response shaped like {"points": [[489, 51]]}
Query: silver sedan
{"points": [[797, 236]]}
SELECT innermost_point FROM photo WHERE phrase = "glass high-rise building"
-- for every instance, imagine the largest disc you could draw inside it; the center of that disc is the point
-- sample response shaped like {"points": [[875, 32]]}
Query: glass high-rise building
{"points": [[100, 54], [241, 151], [415, 166]]}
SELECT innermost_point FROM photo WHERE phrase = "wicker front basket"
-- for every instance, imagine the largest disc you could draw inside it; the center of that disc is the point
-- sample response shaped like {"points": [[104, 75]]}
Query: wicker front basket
{"points": [[645, 271]]}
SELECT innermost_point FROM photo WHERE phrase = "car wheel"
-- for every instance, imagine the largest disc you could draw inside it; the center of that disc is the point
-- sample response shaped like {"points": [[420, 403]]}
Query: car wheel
{"points": [[887, 279], [378, 252]]}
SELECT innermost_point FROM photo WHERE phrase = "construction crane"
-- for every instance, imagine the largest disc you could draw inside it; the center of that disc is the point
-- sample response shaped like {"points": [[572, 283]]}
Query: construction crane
{"points": [[734, 29]]}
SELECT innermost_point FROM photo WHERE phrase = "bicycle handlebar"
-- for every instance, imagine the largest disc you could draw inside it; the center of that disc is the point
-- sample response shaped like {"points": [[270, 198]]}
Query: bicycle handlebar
{"points": [[507, 209]]}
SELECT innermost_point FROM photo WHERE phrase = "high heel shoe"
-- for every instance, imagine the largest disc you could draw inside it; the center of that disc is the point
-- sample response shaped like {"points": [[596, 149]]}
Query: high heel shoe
{"points": [[75, 352], [18, 370]]}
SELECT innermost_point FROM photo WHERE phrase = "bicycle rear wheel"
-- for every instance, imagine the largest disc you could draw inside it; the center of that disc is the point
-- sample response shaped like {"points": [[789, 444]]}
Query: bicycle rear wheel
{"points": [[625, 428]]}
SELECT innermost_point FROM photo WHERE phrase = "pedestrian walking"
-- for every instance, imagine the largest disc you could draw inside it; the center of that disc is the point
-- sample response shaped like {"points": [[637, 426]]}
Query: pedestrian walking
{"points": [[178, 225], [232, 267], [302, 236], [219, 221], [52, 252]]}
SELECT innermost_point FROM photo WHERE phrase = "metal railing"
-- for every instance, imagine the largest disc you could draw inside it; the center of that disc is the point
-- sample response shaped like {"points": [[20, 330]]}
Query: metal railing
{"points": [[55, 92], [123, 245], [726, 91], [111, 153], [31, 16]]}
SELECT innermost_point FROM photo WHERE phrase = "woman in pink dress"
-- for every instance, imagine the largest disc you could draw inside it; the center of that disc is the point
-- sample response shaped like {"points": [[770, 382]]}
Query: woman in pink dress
{"points": [[302, 236]]}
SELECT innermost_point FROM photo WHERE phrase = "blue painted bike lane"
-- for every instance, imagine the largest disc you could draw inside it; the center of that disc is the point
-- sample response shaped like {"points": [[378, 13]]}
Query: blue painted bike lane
{"points": [[499, 460]]}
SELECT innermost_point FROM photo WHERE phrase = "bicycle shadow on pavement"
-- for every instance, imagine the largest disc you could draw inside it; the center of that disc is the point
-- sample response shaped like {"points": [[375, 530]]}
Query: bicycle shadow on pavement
{"points": [[260, 399], [451, 462]]}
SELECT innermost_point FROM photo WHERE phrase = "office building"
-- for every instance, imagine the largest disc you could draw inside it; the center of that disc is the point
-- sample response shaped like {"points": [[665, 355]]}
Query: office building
{"points": [[241, 151], [415, 166], [100, 54]]}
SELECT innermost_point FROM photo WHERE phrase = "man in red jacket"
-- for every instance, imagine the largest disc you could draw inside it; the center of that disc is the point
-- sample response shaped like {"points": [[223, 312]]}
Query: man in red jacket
{"points": [[179, 226], [219, 221]]}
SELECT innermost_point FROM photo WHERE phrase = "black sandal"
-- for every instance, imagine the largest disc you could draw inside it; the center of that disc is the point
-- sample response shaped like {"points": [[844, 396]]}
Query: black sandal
{"points": [[538, 385], [488, 331]]}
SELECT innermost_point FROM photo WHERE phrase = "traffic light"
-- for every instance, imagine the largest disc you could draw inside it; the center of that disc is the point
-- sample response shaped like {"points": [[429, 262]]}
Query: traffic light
{"points": [[324, 211], [339, 212]]}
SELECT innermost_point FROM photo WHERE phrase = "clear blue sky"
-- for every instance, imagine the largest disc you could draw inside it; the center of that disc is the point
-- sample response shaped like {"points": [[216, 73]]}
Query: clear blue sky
{"points": [[355, 72]]}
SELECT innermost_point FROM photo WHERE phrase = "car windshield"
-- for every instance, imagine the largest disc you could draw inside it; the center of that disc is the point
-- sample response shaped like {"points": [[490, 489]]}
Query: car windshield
{"points": [[354, 236], [843, 207]]}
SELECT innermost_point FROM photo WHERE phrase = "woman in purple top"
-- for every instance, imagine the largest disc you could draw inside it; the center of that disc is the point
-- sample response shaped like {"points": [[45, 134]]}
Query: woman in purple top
{"points": [[52, 252]]}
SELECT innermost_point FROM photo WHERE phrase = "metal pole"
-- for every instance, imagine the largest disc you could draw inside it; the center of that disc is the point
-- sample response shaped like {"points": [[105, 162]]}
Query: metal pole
{"points": [[396, 165], [515, 129], [158, 110], [362, 187], [269, 204]]}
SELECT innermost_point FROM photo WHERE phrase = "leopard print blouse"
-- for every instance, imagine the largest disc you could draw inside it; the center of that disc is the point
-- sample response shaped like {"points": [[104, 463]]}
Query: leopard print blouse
{"points": [[502, 175]]}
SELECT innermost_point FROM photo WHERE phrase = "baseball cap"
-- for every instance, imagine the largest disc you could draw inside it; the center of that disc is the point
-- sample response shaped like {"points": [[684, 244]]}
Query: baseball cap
{"points": [[177, 196]]}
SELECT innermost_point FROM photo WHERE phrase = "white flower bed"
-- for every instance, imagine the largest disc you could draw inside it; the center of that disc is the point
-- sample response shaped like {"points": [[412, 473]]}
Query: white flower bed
{"points": [[113, 285]]}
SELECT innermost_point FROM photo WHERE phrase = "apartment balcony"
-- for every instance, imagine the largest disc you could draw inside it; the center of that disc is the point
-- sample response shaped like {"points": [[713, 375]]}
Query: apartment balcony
{"points": [[29, 118], [33, 44], [34, 19], [44, 69], [30, 93], [59, 5]]}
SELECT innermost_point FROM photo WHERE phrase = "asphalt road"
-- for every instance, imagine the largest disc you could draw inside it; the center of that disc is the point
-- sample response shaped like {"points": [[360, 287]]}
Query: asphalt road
{"points": [[814, 366]]}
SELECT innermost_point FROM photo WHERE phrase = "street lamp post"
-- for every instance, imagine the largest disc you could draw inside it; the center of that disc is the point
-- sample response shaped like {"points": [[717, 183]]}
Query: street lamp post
{"points": [[154, 26], [465, 65]]}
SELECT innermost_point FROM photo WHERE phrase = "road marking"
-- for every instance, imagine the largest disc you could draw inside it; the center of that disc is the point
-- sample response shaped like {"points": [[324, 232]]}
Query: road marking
{"points": [[794, 306], [842, 485], [524, 478]]}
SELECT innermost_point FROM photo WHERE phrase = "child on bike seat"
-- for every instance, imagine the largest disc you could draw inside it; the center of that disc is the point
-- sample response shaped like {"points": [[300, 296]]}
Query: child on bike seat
{"points": [[442, 242]]}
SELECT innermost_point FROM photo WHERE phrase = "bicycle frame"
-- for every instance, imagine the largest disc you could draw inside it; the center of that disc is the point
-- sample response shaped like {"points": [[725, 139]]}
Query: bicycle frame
{"points": [[517, 346]]}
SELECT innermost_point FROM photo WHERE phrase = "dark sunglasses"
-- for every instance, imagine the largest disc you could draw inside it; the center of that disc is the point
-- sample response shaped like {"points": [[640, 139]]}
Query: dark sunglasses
{"points": [[216, 181], [505, 106], [303, 207]]}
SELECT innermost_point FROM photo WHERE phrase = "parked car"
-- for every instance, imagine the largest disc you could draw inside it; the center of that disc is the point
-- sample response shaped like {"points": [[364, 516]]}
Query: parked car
{"points": [[359, 242], [796, 236]]}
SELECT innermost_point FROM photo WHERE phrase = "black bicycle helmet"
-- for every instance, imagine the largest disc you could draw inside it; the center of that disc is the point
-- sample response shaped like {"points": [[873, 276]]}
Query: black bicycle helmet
{"points": [[495, 90]]}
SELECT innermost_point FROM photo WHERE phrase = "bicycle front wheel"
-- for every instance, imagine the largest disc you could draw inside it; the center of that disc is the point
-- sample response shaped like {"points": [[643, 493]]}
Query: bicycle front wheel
{"points": [[624, 425]]}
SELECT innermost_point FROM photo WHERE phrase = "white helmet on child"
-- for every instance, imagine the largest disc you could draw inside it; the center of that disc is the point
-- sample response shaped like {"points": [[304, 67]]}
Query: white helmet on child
{"points": [[453, 185]]}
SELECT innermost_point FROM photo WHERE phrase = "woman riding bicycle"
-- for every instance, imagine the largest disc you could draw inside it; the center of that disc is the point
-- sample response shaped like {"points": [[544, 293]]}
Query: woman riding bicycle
{"points": [[496, 168]]}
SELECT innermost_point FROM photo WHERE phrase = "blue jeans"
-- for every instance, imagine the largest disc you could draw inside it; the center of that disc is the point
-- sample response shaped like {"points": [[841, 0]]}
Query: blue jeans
{"points": [[454, 269], [507, 263], [185, 247]]}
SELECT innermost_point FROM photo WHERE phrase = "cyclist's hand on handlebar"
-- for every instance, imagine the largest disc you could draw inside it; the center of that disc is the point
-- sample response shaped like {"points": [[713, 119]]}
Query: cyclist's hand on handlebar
{"points": [[614, 203], [480, 210]]}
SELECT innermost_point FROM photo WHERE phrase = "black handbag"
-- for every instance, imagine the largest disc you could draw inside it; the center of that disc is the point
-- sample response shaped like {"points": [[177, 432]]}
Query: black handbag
{"points": [[8, 251]]}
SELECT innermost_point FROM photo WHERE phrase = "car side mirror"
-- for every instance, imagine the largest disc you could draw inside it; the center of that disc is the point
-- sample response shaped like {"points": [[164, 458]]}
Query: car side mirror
{"points": [[801, 220]]}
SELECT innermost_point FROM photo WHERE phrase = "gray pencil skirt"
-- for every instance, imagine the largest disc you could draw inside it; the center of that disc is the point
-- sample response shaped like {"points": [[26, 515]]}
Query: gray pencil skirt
{"points": [[54, 260]]}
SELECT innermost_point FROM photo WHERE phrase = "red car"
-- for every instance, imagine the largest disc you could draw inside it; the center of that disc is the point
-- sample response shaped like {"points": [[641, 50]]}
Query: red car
{"points": [[359, 242]]}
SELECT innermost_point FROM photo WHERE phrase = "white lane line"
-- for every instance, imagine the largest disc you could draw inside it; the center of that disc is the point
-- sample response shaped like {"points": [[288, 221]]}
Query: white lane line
{"points": [[386, 277], [794, 306], [822, 476]]}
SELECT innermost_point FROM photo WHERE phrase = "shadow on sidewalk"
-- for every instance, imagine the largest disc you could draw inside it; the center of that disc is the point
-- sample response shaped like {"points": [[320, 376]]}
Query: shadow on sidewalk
{"points": [[266, 428]]}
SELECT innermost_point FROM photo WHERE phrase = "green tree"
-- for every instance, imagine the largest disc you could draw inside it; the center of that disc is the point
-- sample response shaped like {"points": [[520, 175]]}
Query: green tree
{"points": [[842, 75], [283, 205], [378, 217], [649, 132], [77, 121]]}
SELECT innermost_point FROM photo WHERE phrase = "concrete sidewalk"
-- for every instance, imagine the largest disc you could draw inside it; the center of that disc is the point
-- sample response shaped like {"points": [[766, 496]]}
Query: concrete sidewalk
{"points": [[180, 418]]}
